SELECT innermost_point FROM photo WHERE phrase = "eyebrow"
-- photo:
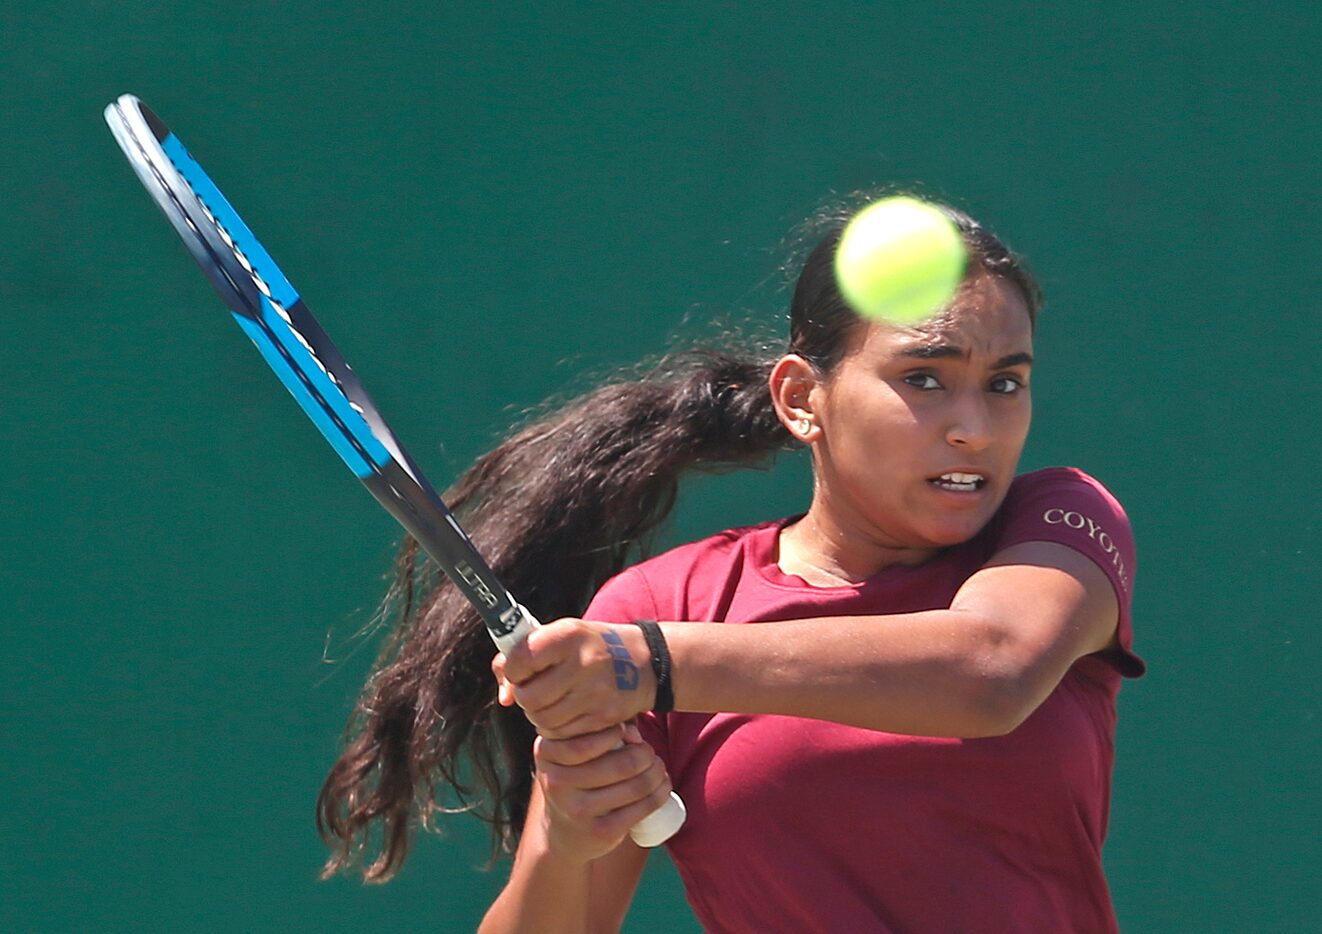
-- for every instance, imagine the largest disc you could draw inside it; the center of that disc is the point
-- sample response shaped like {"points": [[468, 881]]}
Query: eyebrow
{"points": [[941, 351]]}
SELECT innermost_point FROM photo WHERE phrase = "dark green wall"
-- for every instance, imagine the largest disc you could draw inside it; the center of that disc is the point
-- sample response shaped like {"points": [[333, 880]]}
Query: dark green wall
{"points": [[482, 207]]}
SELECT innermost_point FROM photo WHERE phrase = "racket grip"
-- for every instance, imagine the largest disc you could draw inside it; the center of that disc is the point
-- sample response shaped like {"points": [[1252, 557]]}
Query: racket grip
{"points": [[654, 829], [662, 824]]}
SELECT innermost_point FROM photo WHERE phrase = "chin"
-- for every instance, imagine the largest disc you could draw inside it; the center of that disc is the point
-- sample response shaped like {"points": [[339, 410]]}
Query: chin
{"points": [[948, 534]]}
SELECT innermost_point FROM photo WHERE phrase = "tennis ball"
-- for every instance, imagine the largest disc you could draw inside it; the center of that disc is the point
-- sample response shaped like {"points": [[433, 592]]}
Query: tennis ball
{"points": [[900, 260]]}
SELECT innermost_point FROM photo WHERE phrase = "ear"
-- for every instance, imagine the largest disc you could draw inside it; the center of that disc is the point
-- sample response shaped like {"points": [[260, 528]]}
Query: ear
{"points": [[793, 381]]}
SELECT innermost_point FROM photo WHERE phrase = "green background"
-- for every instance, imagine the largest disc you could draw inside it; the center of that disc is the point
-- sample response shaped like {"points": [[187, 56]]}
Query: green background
{"points": [[482, 207]]}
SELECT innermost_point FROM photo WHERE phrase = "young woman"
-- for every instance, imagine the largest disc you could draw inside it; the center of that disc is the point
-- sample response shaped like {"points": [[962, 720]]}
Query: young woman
{"points": [[892, 713]]}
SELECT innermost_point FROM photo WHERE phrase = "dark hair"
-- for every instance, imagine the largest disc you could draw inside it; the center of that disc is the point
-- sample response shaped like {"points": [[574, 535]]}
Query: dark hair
{"points": [[557, 509]]}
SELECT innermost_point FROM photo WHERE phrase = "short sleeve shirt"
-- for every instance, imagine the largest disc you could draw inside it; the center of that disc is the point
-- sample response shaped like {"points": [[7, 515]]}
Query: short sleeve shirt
{"points": [[801, 825]]}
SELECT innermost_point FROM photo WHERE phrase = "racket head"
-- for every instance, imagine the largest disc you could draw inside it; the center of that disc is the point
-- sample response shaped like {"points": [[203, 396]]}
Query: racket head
{"points": [[274, 316], [257, 292]]}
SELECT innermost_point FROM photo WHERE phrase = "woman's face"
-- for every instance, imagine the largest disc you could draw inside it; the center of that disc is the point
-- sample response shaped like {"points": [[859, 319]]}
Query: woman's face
{"points": [[922, 428]]}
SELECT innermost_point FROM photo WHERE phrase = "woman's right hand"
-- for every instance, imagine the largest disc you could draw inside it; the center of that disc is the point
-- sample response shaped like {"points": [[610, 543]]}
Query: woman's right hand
{"points": [[595, 789]]}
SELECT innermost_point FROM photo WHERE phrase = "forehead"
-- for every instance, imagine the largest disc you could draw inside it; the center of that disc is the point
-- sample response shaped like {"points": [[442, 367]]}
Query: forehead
{"points": [[989, 317]]}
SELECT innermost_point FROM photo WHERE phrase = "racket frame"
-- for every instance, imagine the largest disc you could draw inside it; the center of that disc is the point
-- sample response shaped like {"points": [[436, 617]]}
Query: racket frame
{"points": [[270, 311]]}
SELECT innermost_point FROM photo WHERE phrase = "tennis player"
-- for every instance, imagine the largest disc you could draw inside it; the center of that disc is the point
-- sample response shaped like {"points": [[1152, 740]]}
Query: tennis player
{"points": [[894, 712]]}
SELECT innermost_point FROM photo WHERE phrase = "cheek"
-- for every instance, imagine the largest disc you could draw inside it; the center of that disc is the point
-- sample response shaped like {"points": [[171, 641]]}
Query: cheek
{"points": [[877, 428], [1017, 424], [875, 449]]}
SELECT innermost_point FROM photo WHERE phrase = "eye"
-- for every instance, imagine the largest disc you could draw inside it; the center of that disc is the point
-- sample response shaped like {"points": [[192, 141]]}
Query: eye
{"points": [[1006, 385], [924, 381]]}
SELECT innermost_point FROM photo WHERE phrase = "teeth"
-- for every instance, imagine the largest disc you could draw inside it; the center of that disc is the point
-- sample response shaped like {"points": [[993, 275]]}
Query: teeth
{"points": [[961, 482], [961, 477]]}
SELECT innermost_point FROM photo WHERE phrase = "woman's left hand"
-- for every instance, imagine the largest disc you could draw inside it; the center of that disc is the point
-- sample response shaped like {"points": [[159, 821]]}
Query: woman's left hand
{"points": [[574, 677]]}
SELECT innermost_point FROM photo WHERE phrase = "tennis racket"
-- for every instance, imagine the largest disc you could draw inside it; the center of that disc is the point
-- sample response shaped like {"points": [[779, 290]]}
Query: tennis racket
{"points": [[273, 315]]}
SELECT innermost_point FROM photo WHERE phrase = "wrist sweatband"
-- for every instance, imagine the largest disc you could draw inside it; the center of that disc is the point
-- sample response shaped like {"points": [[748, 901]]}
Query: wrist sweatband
{"points": [[656, 645]]}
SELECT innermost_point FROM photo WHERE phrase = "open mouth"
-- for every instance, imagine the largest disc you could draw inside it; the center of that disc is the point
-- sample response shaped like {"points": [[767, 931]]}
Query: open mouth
{"points": [[958, 482]]}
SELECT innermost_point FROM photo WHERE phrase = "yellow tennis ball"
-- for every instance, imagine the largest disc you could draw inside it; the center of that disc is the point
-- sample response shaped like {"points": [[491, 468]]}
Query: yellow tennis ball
{"points": [[900, 260]]}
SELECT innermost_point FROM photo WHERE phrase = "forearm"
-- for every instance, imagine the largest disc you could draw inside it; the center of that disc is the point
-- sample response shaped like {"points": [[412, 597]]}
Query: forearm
{"points": [[936, 673], [575, 870], [976, 669], [545, 894]]}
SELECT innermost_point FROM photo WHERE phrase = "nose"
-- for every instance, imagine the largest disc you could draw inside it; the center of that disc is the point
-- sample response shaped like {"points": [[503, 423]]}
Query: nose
{"points": [[970, 425]]}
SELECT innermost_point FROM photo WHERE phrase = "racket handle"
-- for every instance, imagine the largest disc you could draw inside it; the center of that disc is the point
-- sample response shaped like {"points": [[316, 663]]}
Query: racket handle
{"points": [[662, 824], [654, 829]]}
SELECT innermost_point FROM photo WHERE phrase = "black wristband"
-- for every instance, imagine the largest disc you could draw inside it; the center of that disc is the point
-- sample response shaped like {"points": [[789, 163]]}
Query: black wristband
{"points": [[656, 645]]}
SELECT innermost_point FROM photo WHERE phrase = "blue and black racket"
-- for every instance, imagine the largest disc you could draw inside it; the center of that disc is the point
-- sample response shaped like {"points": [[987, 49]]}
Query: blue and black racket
{"points": [[273, 315]]}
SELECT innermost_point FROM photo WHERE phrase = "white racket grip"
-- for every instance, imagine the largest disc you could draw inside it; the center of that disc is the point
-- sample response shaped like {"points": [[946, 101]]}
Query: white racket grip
{"points": [[654, 829], [525, 624], [662, 824]]}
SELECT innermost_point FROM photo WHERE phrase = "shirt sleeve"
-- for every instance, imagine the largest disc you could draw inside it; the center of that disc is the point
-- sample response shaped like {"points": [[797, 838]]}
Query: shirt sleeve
{"points": [[622, 599], [1066, 506]]}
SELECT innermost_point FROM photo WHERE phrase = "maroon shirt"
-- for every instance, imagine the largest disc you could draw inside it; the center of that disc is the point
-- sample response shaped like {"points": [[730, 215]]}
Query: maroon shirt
{"points": [[801, 825]]}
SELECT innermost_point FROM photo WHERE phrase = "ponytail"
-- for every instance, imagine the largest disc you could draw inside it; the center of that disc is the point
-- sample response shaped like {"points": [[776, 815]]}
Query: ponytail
{"points": [[557, 509]]}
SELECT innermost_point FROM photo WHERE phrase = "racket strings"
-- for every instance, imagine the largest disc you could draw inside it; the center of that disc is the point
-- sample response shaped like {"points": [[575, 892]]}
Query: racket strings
{"points": [[400, 497], [255, 275], [147, 159], [288, 319]]}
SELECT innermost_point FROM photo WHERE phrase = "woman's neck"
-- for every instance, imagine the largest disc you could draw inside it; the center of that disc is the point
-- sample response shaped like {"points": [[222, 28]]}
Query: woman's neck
{"points": [[828, 552]]}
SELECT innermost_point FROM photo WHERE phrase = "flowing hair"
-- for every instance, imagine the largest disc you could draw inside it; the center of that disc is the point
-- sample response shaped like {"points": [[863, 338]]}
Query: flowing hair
{"points": [[558, 508]]}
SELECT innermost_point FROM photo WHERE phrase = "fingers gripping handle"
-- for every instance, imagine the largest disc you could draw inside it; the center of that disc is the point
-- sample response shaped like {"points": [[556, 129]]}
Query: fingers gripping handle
{"points": [[657, 827]]}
